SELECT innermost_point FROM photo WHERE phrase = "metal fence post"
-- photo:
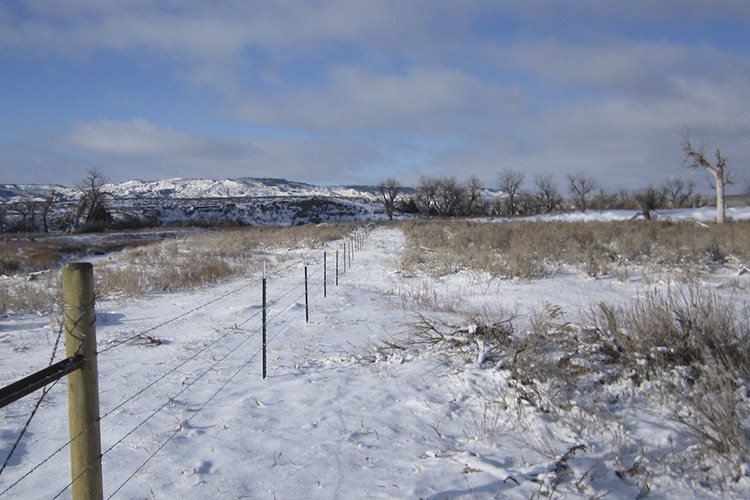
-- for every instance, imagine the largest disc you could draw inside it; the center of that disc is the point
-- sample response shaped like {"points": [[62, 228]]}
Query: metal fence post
{"points": [[325, 275], [264, 325], [83, 385], [307, 308]]}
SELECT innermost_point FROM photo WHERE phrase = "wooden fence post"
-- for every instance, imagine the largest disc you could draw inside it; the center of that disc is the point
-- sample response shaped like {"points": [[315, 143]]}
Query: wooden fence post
{"points": [[83, 385]]}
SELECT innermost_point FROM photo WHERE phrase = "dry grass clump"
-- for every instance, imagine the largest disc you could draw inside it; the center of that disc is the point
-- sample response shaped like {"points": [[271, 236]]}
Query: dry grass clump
{"points": [[684, 327], [689, 344], [18, 256], [533, 249], [25, 256], [698, 346], [42, 295]]}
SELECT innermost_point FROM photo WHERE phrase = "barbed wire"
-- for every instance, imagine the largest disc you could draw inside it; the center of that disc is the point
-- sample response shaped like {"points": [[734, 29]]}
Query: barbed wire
{"points": [[284, 328], [72, 482], [245, 364], [174, 369], [175, 396], [203, 349], [226, 383], [119, 343], [47, 389], [38, 465]]}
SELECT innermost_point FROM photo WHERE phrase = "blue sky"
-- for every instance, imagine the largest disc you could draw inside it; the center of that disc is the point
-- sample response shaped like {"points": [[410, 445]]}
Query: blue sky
{"points": [[353, 91]]}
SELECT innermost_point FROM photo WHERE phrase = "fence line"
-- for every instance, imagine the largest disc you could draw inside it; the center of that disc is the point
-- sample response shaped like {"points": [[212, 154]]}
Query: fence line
{"points": [[281, 328], [118, 343], [52, 378], [171, 436], [171, 371], [203, 349], [196, 354], [293, 302]]}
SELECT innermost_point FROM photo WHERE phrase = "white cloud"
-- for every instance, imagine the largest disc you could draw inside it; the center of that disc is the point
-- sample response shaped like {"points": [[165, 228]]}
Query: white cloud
{"points": [[354, 100], [141, 149], [140, 137]]}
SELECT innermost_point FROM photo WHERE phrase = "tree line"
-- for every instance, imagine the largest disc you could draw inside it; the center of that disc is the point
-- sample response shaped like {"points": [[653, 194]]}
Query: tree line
{"points": [[449, 197]]}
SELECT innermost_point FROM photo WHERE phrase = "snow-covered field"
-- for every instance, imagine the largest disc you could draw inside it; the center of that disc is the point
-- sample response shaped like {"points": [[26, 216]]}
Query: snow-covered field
{"points": [[341, 415]]}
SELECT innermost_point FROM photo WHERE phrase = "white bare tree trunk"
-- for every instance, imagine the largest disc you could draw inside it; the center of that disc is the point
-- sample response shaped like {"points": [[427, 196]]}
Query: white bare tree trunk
{"points": [[719, 196]]}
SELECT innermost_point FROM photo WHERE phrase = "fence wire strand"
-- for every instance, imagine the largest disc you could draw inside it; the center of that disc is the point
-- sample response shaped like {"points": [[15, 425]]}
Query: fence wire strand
{"points": [[171, 436], [37, 466], [283, 327], [244, 365], [174, 369], [203, 349], [47, 389], [185, 388], [187, 313]]}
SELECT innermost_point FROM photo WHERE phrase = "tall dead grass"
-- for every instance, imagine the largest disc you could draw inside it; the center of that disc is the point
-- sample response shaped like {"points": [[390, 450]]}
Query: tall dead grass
{"points": [[529, 249], [177, 264], [207, 258]]}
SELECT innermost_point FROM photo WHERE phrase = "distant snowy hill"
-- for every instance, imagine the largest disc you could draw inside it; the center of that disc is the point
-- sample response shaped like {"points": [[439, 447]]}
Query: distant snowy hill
{"points": [[244, 201], [195, 189]]}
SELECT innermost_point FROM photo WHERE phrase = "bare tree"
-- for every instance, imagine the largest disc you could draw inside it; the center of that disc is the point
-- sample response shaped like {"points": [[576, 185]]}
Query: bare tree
{"points": [[679, 192], [510, 182], [92, 204], [547, 193], [426, 195], [49, 201], [389, 191], [696, 158], [580, 186], [450, 196], [3, 214], [473, 194], [447, 197], [649, 200], [26, 209], [526, 203]]}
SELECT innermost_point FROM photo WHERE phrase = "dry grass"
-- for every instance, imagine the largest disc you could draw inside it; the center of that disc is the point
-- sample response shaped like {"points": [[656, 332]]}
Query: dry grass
{"points": [[697, 345], [688, 347], [39, 296], [689, 343], [526, 249], [169, 265], [687, 326]]}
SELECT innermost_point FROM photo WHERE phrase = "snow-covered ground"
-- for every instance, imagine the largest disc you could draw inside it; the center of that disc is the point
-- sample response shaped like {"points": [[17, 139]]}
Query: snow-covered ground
{"points": [[339, 416]]}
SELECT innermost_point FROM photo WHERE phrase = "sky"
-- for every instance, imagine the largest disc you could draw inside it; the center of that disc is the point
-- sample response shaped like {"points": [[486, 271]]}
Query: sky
{"points": [[354, 91]]}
